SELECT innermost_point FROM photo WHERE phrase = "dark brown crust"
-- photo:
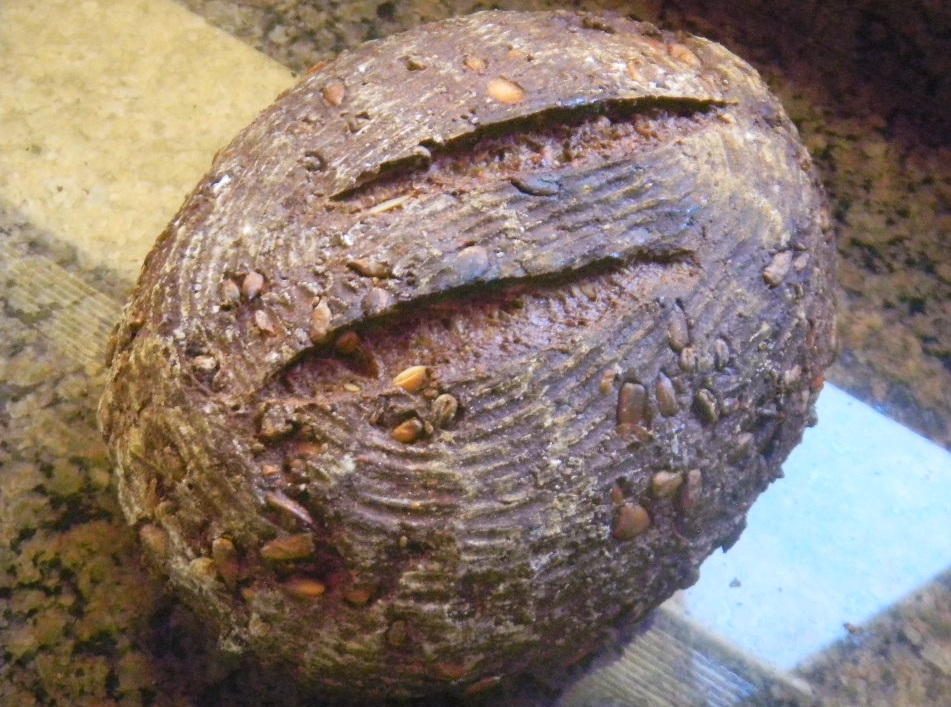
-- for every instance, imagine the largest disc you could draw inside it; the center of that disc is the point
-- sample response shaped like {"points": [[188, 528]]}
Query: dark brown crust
{"points": [[607, 248]]}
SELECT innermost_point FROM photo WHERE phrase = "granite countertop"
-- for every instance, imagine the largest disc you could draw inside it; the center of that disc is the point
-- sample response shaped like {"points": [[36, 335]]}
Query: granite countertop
{"points": [[868, 83]]}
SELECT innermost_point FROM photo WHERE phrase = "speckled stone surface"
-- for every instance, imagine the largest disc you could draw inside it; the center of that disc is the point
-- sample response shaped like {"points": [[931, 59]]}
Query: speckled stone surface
{"points": [[868, 83]]}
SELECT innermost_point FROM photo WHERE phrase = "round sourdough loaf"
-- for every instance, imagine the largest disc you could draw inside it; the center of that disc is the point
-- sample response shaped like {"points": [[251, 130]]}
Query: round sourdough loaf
{"points": [[472, 346]]}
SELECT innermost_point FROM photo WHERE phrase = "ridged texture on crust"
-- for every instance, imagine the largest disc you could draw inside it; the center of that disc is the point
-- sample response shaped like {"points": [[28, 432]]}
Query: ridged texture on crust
{"points": [[599, 258]]}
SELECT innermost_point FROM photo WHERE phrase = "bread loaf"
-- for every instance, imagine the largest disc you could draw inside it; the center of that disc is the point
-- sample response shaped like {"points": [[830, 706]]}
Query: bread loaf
{"points": [[474, 344]]}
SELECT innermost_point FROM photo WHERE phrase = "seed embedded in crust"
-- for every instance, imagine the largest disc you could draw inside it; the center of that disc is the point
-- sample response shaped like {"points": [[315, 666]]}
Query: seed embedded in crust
{"points": [[792, 376], [778, 268], [483, 685], [689, 360], [690, 491], [474, 63], [537, 186], [275, 423], [257, 627], [334, 93], [589, 290], [348, 343], [721, 354], [744, 442], [397, 633], [230, 293], [136, 320], [316, 67], [408, 431], [411, 379], [617, 494], [387, 205], [304, 588], [376, 301], [203, 569], [414, 63], [358, 596], [505, 91], [607, 382], [451, 672], [225, 555], [665, 483], [631, 404], [278, 500], [270, 470], [369, 268], [683, 54], [630, 520], [313, 161], [155, 539], [252, 284], [319, 323], [309, 448], [706, 406], [666, 396], [471, 262], [289, 547], [204, 363], [678, 331], [445, 408], [645, 130], [264, 322], [634, 70], [690, 577]]}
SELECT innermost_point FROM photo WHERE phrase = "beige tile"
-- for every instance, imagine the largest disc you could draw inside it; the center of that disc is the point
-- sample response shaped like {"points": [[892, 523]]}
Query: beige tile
{"points": [[110, 112]]}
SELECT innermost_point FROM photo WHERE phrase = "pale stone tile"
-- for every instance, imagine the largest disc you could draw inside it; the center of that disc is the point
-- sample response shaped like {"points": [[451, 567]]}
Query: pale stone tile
{"points": [[110, 112]]}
